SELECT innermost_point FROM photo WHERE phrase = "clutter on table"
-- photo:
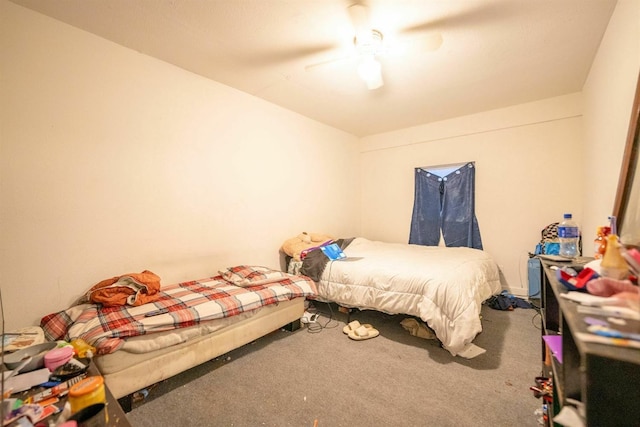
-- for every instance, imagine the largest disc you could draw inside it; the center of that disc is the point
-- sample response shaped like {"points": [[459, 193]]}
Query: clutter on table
{"points": [[47, 384], [23, 337], [607, 292]]}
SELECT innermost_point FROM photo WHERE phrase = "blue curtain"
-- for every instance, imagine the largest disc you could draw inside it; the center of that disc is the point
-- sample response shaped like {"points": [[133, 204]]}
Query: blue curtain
{"points": [[445, 203]]}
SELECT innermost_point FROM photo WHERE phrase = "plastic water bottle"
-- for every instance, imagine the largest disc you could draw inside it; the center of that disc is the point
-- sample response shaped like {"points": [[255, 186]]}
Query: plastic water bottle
{"points": [[568, 235]]}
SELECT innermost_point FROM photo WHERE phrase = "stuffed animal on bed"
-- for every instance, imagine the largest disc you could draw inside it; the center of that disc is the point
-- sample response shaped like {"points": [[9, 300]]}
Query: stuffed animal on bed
{"points": [[304, 241]]}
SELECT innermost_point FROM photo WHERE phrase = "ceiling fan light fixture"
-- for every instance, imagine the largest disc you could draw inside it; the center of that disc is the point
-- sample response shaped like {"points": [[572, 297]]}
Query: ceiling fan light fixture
{"points": [[370, 71], [369, 42]]}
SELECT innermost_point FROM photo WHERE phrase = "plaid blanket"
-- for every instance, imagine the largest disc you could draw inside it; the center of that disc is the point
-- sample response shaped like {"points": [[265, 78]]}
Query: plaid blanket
{"points": [[186, 304]]}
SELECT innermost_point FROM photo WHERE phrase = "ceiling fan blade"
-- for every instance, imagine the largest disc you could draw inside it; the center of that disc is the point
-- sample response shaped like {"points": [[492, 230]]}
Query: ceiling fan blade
{"points": [[424, 26], [469, 16], [413, 46], [261, 58], [360, 19], [332, 61]]}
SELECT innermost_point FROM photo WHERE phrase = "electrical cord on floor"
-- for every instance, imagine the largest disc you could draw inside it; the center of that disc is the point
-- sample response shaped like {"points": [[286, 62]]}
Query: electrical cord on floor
{"points": [[318, 326], [534, 317], [538, 312]]}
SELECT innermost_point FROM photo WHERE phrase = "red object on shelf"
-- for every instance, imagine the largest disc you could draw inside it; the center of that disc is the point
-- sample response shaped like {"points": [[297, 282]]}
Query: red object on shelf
{"points": [[576, 282]]}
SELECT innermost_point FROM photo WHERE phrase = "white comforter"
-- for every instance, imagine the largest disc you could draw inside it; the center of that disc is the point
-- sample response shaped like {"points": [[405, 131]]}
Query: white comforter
{"points": [[445, 287]]}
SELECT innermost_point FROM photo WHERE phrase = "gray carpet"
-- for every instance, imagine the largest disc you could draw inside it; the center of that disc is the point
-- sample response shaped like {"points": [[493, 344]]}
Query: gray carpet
{"points": [[395, 379]]}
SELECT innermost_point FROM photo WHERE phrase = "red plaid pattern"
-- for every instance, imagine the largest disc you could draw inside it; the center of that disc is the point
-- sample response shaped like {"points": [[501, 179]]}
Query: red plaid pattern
{"points": [[188, 303]]}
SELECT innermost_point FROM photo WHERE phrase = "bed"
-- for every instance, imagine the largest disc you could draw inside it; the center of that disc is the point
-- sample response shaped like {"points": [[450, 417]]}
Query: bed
{"points": [[445, 287], [204, 319]]}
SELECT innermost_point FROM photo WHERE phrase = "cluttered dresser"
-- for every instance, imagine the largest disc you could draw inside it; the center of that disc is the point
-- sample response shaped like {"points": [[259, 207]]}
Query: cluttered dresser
{"points": [[590, 310], [46, 383], [590, 349], [590, 335]]}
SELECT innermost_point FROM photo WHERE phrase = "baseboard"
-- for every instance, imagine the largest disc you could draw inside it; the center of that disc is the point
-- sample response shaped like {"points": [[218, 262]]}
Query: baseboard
{"points": [[519, 292]]}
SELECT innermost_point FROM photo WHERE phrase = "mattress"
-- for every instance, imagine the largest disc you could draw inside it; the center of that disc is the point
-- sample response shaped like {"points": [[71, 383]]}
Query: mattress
{"points": [[126, 372], [238, 290], [445, 287], [186, 324]]}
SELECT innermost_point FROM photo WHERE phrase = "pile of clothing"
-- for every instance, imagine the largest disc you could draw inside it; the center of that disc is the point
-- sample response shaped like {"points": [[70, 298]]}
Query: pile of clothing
{"points": [[506, 301]]}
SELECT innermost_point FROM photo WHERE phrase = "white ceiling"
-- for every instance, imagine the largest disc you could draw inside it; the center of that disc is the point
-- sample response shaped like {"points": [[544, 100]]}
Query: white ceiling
{"points": [[494, 53]]}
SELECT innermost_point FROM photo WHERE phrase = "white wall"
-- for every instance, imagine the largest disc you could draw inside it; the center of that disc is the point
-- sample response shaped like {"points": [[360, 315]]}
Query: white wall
{"points": [[608, 98], [517, 192], [113, 162], [520, 187]]}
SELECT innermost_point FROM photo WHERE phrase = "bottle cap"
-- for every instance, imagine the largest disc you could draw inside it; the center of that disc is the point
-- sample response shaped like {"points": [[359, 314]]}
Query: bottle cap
{"points": [[86, 385], [567, 216]]}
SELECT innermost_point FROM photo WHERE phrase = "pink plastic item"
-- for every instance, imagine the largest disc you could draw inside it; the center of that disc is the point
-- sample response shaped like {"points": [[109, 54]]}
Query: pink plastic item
{"points": [[632, 256], [57, 357]]}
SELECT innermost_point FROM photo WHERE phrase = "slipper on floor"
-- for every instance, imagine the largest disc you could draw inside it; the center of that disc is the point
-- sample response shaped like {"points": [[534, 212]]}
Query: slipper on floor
{"points": [[418, 329], [355, 325], [363, 333]]}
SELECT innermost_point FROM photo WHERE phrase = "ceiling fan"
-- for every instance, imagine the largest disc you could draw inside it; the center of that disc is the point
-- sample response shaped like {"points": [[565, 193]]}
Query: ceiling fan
{"points": [[369, 45]]}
